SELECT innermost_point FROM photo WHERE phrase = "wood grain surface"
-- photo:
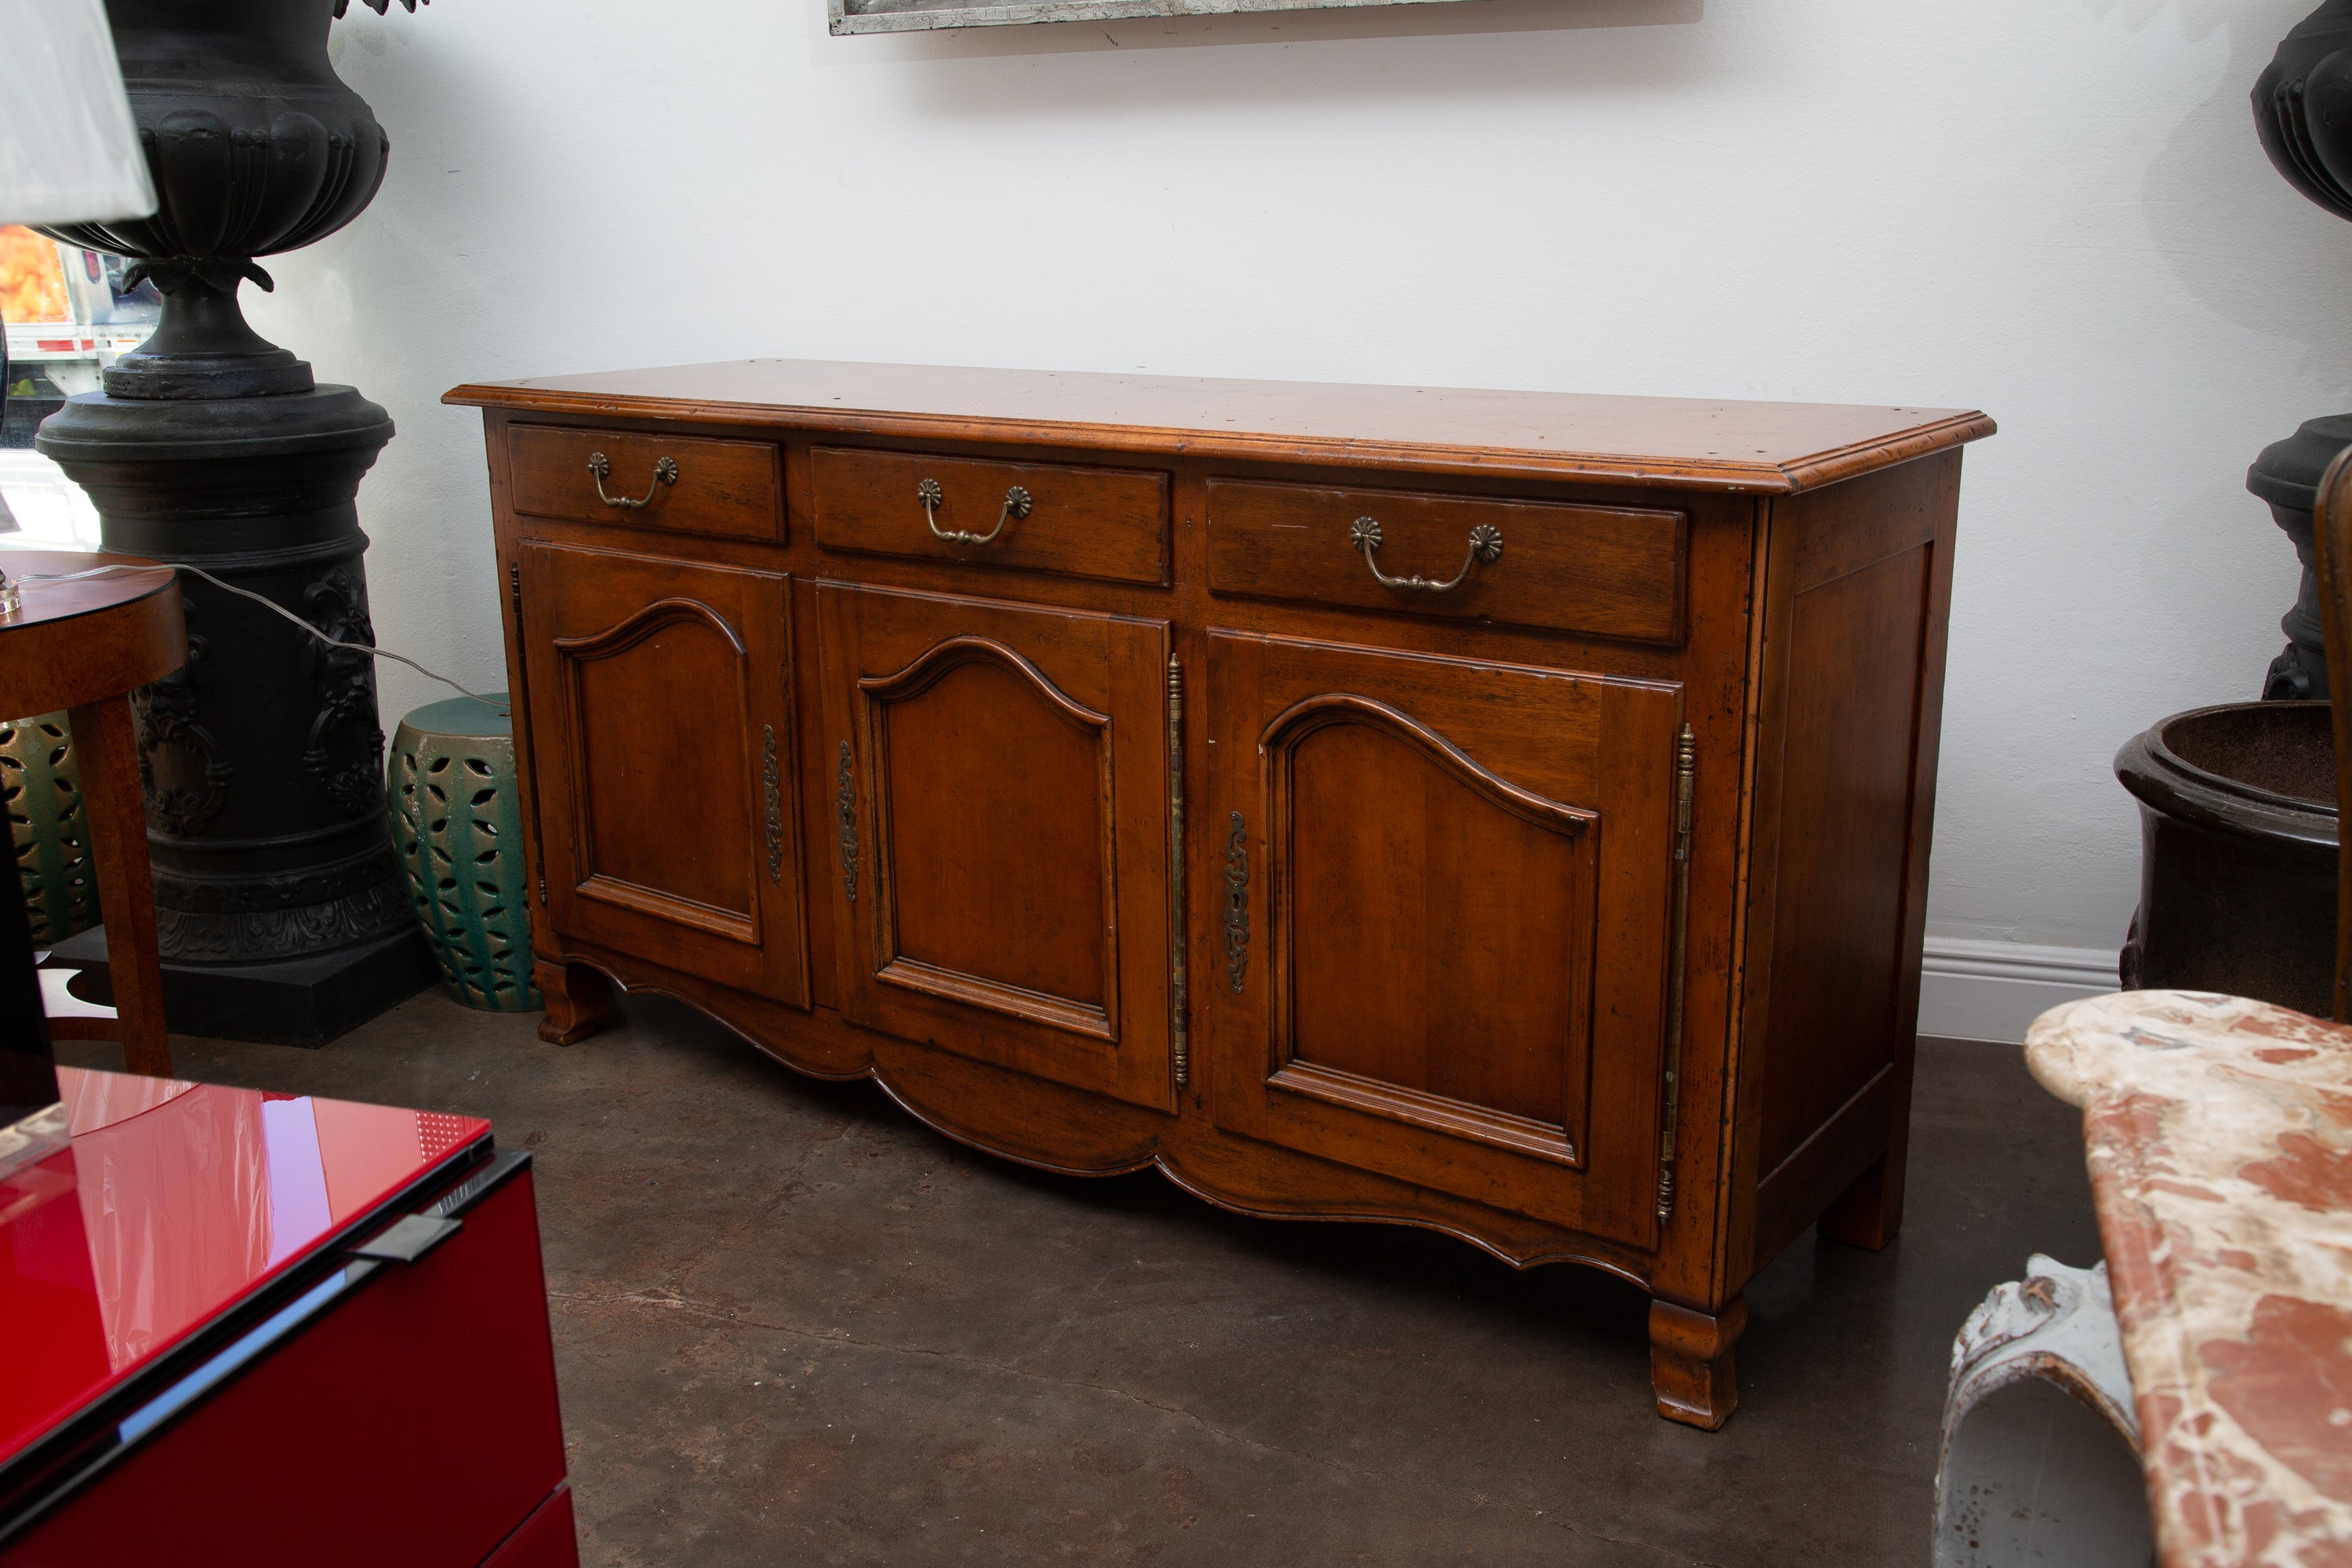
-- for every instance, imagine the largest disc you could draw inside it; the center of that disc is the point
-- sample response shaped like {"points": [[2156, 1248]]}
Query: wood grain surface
{"points": [[1773, 448], [1082, 521], [728, 487], [1611, 571], [657, 689], [1013, 845]]}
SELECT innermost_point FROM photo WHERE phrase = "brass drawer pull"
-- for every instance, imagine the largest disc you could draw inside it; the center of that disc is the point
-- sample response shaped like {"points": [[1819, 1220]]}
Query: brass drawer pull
{"points": [[665, 473], [1016, 505], [1486, 549]]}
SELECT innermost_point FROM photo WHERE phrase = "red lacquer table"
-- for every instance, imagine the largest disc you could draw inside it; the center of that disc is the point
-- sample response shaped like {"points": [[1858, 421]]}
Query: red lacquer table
{"points": [[248, 1328]]}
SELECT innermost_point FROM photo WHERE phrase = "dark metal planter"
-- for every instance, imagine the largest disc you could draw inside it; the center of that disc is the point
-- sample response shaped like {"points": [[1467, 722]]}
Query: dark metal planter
{"points": [[2238, 853], [279, 905]]}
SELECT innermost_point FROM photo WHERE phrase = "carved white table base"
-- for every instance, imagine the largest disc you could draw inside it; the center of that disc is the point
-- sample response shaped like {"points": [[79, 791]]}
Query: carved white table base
{"points": [[2041, 1450]]}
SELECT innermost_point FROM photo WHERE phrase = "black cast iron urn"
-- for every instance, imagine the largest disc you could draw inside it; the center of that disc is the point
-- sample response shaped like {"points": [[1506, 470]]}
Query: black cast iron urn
{"points": [[279, 906], [2303, 113]]}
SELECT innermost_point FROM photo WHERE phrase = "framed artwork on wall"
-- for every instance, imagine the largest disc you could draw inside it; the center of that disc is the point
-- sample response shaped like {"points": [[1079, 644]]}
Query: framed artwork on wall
{"points": [[918, 16]]}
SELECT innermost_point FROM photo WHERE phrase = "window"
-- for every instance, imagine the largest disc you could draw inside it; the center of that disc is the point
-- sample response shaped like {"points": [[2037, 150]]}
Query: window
{"points": [[68, 317]]}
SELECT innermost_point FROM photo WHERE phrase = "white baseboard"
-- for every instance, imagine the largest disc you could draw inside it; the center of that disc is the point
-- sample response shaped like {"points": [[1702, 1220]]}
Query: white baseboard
{"points": [[1971, 990]]}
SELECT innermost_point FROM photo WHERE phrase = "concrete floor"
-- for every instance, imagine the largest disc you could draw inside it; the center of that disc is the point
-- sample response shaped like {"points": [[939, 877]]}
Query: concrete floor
{"points": [[794, 1326]]}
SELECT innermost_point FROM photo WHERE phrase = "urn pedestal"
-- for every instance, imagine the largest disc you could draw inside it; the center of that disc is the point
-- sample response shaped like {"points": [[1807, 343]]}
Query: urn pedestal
{"points": [[279, 905], [2287, 476], [279, 909]]}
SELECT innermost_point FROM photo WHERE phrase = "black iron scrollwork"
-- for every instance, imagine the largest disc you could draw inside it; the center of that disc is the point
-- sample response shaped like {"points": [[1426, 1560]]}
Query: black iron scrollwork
{"points": [[187, 791], [345, 750]]}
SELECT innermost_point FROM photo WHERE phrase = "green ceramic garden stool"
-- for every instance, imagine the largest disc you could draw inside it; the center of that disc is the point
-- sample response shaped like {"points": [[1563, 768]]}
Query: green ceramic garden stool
{"points": [[41, 780], [457, 822]]}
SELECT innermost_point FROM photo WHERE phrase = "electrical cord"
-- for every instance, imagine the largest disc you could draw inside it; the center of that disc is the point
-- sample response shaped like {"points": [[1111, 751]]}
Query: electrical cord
{"points": [[266, 602]]}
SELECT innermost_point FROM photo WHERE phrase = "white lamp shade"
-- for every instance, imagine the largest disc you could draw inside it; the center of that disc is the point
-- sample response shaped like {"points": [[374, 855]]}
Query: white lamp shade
{"points": [[68, 147]]}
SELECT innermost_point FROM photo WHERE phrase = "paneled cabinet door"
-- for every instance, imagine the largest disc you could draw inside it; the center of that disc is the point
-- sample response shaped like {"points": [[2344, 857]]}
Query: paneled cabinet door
{"points": [[661, 727], [1446, 910], [1002, 870]]}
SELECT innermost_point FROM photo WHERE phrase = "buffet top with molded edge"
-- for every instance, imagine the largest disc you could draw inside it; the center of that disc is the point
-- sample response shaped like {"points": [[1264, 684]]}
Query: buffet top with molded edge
{"points": [[1680, 443]]}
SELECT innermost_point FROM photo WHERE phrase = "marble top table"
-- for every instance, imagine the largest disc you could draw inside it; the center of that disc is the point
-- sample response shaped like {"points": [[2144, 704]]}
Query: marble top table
{"points": [[2218, 1132]]}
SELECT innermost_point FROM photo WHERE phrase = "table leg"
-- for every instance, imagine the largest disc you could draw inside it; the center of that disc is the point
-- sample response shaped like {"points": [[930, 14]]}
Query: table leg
{"points": [[2041, 1457], [116, 806]]}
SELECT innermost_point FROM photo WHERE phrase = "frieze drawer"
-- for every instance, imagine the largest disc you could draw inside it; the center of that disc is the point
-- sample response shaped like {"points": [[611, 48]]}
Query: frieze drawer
{"points": [[675, 484], [1077, 520], [1608, 570]]}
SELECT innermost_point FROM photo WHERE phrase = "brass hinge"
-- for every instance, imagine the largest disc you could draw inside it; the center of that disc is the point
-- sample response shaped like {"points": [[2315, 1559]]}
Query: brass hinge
{"points": [[772, 788], [538, 854], [844, 799], [1177, 935], [1685, 770], [1237, 904]]}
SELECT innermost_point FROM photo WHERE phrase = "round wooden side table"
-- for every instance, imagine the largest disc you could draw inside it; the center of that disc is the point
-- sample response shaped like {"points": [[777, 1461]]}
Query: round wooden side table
{"points": [[85, 646]]}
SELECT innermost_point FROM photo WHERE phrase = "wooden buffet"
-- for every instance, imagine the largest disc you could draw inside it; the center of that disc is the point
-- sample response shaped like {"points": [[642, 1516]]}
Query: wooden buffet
{"points": [[1502, 811]]}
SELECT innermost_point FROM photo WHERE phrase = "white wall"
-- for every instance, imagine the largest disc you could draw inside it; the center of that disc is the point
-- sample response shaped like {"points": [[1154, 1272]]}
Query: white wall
{"points": [[2055, 210]]}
